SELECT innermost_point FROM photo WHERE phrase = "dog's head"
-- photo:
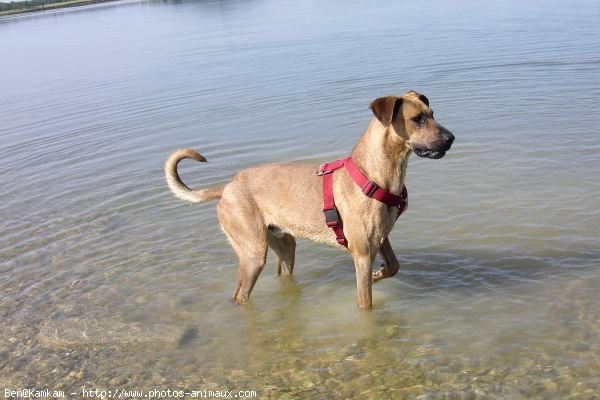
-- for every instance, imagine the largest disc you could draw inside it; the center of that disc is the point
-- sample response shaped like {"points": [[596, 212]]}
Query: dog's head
{"points": [[412, 120]]}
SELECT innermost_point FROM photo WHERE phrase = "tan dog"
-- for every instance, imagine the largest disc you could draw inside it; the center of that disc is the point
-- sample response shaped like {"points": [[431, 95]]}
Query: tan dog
{"points": [[268, 205]]}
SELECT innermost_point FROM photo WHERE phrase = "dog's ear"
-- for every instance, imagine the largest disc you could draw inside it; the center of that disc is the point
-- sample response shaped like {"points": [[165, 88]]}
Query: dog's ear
{"points": [[386, 108]]}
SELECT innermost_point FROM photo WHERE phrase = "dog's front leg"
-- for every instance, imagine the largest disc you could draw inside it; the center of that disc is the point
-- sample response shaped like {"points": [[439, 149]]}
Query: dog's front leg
{"points": [[391, 264], [364, 278]]}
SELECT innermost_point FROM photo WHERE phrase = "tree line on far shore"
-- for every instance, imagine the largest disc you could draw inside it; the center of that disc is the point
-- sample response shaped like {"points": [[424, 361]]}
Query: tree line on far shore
{"points": [[24, 5]]}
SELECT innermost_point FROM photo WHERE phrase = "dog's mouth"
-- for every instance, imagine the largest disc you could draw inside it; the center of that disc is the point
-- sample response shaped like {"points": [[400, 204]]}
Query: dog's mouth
{"points": [[438, 148], [428, 153]]}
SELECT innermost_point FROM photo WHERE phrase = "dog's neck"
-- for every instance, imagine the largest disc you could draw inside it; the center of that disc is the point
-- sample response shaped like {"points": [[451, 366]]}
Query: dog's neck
{"points": [[382, 156]]}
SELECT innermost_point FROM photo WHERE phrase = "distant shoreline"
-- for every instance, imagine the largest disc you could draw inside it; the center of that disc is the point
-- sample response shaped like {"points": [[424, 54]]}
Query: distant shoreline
{"points": [[54, 6]]}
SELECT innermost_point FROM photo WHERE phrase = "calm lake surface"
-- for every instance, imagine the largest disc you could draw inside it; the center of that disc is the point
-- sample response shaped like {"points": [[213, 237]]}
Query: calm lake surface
{"points": [[107, 281]]}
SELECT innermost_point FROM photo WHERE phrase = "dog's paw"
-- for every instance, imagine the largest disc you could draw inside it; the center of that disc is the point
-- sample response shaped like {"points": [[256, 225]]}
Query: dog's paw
{"points": [[380, 274]]}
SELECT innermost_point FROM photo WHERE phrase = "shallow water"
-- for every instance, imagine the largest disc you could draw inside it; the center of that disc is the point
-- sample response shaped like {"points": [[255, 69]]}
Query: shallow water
{"points": [[107, 281]]}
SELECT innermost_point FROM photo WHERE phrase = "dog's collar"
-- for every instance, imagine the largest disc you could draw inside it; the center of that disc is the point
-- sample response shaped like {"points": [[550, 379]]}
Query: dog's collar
{"points": [[367, 186]]}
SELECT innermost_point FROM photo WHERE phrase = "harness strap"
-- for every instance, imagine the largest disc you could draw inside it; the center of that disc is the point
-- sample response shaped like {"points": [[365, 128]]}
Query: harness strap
{"points": [[368, 187], [332, 217], [371, 189]]}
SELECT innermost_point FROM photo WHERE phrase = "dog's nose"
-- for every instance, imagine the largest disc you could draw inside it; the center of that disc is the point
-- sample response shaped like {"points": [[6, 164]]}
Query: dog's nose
{"points": [[448, 138]]}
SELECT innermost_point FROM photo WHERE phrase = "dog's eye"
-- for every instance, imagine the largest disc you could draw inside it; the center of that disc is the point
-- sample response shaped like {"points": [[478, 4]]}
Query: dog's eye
{"points": [[419, 119]]}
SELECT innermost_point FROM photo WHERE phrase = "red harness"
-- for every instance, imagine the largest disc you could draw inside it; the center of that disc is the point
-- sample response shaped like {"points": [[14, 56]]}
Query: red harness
{"points": [[368, 187]]}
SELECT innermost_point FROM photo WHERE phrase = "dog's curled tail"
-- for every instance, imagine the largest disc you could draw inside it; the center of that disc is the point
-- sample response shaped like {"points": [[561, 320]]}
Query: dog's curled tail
{"points": [[179, 188]]}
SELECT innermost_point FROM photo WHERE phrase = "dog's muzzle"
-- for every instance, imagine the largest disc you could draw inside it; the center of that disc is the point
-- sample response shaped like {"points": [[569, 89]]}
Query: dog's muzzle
{"points": [[439, 149]]}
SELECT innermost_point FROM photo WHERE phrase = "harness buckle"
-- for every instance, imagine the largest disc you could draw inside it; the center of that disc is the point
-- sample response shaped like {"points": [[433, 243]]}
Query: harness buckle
{"points": [[369, 188], [322, 171], [332, 218]]}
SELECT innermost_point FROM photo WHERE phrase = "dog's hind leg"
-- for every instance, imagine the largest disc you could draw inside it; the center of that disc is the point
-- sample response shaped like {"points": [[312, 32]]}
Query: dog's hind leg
{"points": [[249, 271], [284, 246], [247, 235], [391, 264]]}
